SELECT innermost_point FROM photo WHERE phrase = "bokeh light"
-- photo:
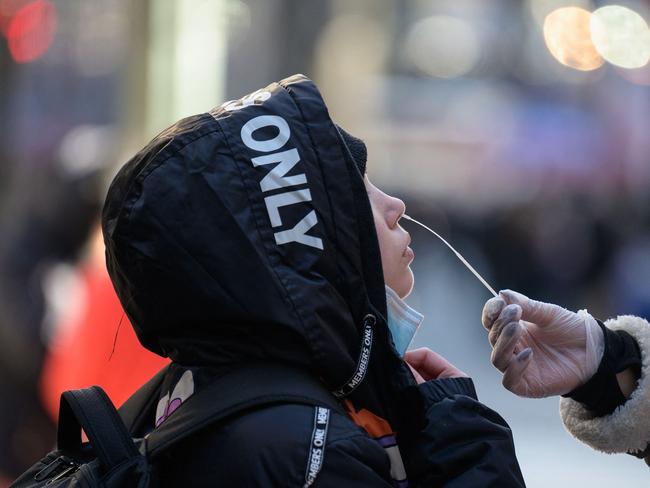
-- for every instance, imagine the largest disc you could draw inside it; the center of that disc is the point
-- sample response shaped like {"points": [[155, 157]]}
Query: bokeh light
{"points": [[8, 9], [567, 33], [541, 8], [352, 50], [443, 46], [31, 30], [621, 36], [365, 55], [85, 149]]}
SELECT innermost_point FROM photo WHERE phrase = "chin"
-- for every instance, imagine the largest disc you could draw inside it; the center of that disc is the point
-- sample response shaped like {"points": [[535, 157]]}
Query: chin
{"points": [[404, 286]]}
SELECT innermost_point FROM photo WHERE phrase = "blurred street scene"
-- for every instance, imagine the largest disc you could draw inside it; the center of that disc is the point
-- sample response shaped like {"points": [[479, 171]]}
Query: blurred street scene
{"points": [[517, 129]]}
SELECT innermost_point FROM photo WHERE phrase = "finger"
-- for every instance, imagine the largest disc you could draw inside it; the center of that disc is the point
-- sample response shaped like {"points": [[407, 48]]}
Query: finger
{"points": [[428, 363], [532, 310], [491, 311], [510, 313], [416, 357], [504, 348], [513, 376]]}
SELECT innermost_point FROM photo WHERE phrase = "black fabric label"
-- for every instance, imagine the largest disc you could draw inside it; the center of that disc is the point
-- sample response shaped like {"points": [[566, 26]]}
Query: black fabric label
{"points": [[362, 363], [317, 448]]}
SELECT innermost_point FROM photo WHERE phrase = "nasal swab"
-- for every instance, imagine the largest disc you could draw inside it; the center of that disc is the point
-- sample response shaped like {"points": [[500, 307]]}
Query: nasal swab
{"points": [[462, 259]]}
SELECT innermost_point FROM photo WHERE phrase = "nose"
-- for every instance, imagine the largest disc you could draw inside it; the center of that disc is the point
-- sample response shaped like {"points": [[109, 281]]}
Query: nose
{"points": [[395, 209]]}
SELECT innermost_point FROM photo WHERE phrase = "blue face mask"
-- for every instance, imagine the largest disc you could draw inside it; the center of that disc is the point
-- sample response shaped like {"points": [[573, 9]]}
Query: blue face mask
{"points": [[403, 321]]}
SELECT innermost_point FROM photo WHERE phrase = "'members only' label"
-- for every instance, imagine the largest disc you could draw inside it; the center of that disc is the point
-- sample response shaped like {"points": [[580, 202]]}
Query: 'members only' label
{"points": [[362, 362], [284, 160], [318, 440]]}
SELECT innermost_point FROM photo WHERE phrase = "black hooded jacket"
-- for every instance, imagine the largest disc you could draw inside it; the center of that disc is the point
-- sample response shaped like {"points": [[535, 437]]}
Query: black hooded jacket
{"points": [[245, 234]]}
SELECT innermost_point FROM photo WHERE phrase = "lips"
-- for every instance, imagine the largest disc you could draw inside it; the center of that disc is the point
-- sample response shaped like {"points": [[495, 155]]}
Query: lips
{"points": [[408, 252]]}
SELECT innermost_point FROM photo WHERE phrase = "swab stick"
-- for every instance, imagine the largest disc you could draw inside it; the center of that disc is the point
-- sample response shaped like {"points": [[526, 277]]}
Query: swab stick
{"points": [[458, 255]]}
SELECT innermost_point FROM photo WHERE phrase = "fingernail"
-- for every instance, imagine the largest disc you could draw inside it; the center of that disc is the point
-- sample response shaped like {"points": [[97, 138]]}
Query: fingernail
{"points": [[509, 313], [523, 356], [510, 330]]}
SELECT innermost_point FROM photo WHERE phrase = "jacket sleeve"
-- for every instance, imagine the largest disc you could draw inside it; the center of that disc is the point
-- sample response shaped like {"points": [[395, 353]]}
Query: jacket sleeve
{"points": [[627, 428], [463, 443]]}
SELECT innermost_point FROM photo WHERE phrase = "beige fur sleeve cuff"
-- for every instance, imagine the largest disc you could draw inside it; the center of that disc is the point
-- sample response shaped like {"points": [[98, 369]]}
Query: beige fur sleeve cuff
{"points": [[627, 429]]}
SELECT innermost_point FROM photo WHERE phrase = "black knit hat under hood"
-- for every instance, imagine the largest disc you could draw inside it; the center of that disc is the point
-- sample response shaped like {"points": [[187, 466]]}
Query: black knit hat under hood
{"points": [[357, 149]]}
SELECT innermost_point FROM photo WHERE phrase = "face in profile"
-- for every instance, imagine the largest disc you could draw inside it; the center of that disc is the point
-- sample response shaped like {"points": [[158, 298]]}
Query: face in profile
{"points": [[396, 255]]}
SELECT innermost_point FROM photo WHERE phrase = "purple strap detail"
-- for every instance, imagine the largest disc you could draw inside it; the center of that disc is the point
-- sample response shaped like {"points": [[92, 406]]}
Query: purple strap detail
{"points": [[387, 441], [170, 409], [173, 405]]}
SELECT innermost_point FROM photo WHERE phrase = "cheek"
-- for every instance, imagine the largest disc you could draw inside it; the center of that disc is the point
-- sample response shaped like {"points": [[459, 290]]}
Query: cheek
{"points": [[390, 254], [381, 236], [397, 274]]}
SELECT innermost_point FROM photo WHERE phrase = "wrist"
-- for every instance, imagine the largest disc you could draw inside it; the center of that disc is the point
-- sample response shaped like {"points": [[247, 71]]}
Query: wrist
{"points": [[604, 391], [627, 381], [595, 340]]}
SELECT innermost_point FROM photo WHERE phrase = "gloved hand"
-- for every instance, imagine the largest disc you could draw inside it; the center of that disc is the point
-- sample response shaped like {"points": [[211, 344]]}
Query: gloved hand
{"points": [[542, 349]]}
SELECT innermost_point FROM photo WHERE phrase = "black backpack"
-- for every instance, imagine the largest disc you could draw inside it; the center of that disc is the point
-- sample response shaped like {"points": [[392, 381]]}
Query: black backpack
{"points": [[113, 458]]}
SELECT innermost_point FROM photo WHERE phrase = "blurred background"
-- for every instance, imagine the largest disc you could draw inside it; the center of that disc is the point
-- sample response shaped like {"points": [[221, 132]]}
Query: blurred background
{"points": [[518, 129]]}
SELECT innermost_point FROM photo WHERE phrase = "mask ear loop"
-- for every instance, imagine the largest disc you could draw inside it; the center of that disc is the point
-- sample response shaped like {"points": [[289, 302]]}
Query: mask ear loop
{"points": [[458, 255]]}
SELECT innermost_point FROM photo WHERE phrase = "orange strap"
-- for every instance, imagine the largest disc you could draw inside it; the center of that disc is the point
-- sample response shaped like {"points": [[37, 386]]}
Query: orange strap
{"points": [[373, 424]]}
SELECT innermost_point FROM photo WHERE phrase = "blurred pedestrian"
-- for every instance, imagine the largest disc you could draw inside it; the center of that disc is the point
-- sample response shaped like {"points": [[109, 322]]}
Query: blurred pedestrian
{"points": [[95, 345]]}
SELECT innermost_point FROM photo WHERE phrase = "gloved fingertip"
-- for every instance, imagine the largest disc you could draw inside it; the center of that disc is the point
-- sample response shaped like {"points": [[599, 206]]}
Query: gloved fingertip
{"points": [[494, 303], [514, 297], [511, 308], [491, 311], [510, 329], [511, 313], [507, 295]]}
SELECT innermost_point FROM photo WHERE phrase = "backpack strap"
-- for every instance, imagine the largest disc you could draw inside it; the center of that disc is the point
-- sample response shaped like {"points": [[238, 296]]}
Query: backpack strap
{"points": [[91, 410], [244, 388]]}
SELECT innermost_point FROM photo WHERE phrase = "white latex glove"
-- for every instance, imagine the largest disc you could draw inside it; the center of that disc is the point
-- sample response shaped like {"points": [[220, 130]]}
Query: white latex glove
{"points": [[542, 349]]}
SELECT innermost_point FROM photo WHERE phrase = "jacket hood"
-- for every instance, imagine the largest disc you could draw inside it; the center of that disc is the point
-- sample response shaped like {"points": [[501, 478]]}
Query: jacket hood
{"points": [[246, 234]]}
